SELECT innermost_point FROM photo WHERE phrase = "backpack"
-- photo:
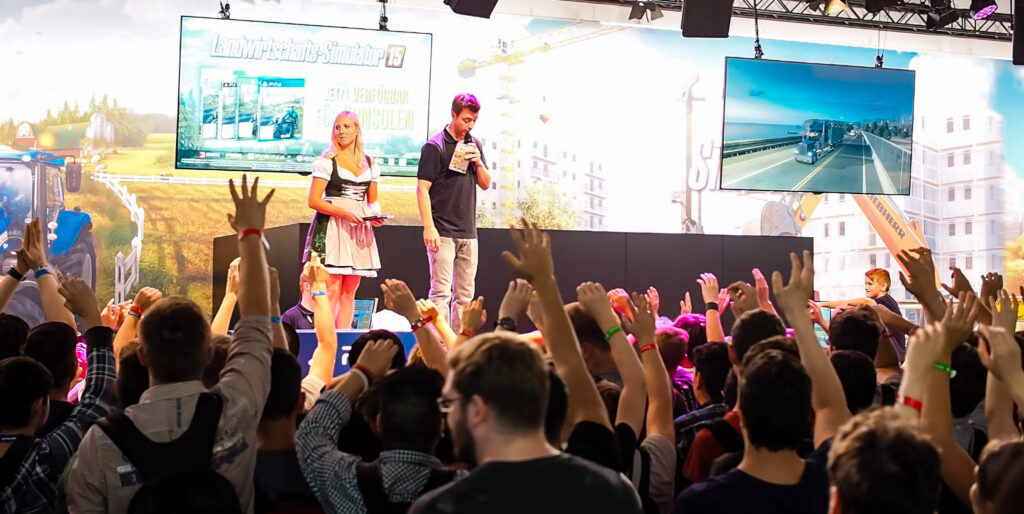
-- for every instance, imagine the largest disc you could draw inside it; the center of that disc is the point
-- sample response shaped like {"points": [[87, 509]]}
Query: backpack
{"points": [[176, 475], [371, 486]]}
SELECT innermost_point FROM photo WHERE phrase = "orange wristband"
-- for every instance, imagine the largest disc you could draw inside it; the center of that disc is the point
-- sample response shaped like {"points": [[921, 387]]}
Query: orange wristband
{"points": [[646, 348], [250, 232]]}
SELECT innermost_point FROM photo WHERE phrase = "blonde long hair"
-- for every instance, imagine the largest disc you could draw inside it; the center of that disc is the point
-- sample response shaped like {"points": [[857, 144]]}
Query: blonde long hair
{"points": [[357, 146]]}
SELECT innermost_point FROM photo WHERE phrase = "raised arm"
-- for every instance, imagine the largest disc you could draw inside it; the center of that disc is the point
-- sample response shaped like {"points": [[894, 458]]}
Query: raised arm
{"points": [[921, 281], [326, 353], [222, 320], [33, 253], [999, 353], [827, 398], [9, 283], [144, 299], [659, 388], [594, 300], [534, 263], [444, 330], [709, 290], [399, 296], [277, 334]]}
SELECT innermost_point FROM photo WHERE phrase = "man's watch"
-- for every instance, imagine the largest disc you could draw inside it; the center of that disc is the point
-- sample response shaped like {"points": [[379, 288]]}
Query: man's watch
{"points": [[15, 274], [506, 323]]}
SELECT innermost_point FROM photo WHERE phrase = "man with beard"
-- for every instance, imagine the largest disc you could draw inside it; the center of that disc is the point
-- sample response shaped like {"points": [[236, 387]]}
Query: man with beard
{"points": [[496, 398]]}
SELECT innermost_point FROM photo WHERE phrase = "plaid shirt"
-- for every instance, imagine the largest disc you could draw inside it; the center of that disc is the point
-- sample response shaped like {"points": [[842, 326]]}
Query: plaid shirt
{"points": [[689, 424], [34, 488], [331, 473]]}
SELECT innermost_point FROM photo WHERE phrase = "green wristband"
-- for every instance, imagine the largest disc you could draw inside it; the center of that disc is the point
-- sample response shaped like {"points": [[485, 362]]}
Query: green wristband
{"points": [[612, 331], [942, 366]]}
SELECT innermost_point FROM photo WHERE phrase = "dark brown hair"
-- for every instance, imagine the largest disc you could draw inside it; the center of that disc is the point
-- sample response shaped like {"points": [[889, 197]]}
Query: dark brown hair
{"points": [[175, 335]]}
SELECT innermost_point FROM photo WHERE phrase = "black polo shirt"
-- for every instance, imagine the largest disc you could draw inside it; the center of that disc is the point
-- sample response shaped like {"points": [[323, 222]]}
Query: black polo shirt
{"points": [[452, 194]]}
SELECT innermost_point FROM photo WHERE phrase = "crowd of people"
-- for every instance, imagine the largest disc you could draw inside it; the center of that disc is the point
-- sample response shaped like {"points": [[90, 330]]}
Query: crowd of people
{"points": [[607, 408]]}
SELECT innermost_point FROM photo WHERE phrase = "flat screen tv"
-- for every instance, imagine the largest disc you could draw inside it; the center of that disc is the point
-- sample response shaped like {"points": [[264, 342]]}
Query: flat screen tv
{"points": [[262, 96], [820, 128]]}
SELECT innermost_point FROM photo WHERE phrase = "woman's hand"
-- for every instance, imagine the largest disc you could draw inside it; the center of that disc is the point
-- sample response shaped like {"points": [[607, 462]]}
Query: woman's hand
{"points": [[351, 217]]}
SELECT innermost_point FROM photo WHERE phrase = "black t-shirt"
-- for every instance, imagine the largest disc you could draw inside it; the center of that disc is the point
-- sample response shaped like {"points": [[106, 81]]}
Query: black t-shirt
{"points": [[280, 481], [452, 194], [737, 491], [556, 485], [596, 443], [899, 339]]}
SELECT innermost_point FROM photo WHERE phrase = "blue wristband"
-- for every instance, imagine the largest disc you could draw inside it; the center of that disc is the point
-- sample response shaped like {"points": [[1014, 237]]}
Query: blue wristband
{"points": [[275, 319], [42, 271], [318, 293]]}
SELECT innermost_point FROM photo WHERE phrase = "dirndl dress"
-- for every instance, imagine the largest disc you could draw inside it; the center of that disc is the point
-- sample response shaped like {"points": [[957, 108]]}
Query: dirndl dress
{"points": [[344, 248]]}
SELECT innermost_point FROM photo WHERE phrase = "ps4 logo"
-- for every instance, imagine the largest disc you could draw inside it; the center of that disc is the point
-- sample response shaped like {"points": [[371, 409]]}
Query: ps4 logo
{"points": [[395, 57]]}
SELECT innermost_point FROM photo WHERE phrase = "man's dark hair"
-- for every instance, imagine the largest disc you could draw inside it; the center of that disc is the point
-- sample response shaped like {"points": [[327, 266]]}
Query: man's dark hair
{"points": [[220, 343], [783, 344], [13, 331], [586, 328], [398, 361], [775, 400], [753, 327], [672, 343], [999, 461], [711, 360], [558, 408], [465, 101], [52, 344], [22, 381], [508, 375], [610, 392], [409, 417], [967, 388], [857, 374], [175, 334], [132, 377], [294, 344], [285, 385], [857, 329], [731, 391], [695, 326], [881, 463]]}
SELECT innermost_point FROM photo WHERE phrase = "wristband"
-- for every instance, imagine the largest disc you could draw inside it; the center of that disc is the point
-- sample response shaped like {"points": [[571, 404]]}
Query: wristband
{"points": [[250, 232], [314, 294], [365, 371], [466, 332], [711, 306], [275, 319], [909, 402], [362, 375], [420, 323], [942, 366], [644, 349], [135, 312], [42, 271], [15, 274], [612, 331]]}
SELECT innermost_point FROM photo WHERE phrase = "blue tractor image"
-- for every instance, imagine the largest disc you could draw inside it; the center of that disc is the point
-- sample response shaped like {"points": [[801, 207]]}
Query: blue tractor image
{"points": [[32, 184]]}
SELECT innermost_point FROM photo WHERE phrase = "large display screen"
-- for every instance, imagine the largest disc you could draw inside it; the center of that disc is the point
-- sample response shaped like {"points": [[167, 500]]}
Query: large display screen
{"points": [[261, 96], [822, 128]]}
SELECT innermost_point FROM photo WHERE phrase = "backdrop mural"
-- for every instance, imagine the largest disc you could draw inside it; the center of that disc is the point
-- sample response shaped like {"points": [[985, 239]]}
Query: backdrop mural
{"points": [[588, 126]]}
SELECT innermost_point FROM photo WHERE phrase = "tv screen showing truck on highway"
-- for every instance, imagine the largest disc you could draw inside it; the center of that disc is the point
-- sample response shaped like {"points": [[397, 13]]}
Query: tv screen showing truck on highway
{"points": [[823, 128]]}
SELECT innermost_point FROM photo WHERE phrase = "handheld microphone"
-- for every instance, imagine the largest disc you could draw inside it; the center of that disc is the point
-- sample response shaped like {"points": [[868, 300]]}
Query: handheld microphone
{"points": [[468, 139]]}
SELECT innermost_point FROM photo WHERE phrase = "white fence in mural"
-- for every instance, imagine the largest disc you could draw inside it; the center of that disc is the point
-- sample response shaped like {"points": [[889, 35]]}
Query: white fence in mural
{"points": [[213, 181], [126, 267]]}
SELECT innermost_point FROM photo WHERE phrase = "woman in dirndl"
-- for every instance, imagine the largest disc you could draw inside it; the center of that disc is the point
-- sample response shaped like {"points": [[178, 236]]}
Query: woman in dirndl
{"points": [[343, 192]]}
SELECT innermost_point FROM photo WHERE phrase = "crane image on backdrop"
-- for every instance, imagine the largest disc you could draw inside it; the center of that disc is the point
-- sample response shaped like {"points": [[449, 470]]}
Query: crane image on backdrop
{"points": [[511, 53]]}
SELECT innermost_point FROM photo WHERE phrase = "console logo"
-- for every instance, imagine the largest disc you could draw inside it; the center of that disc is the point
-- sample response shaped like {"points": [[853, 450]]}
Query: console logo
{"points": [[395, 57]]}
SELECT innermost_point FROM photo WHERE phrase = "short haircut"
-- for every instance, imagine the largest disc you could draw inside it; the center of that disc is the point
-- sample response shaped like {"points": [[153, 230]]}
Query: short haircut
{"points": [[465, 101], [558, 408], [782, 343], [857, 329], [292, 337], [731, 391], [695, 326], [881, 276], [753, 327], [857, 375], [409, 417], [398, 361], [13, 331], [508, 374], [220, 343], [711, 360], [52, 344], [610, 392], [999, 461], [882, 463], [175, 335], [672, 344], [22, 382], [967, 387], [285, 385], [586, 328], [775, 400], [132, 377]]}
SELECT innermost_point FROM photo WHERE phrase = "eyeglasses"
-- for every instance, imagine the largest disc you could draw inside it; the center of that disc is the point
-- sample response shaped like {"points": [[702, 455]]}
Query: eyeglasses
{"points": [[445, 404]]}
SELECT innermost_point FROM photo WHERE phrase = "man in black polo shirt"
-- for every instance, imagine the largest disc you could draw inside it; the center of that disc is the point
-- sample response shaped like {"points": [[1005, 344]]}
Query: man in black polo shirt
{"points": [[447, 205]]}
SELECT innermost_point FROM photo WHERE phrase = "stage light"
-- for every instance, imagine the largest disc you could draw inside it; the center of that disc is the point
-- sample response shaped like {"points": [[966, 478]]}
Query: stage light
{"points": [[940, 16], [637, 11], [981, 9], [478, 8], [876, 6], [835, 6], [656, 12]]}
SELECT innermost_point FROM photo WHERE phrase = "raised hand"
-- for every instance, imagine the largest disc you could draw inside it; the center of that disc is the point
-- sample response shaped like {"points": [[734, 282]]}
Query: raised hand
{"points": [[111, 315], [618, 298], [474, 315], [958, 321], [793, 296], [685, 305], [960, 283], [232, 284], [400, 299], [377, 356], [535, 311], [516, 299], [275, 287], [926, 347], [1004, 314], [991, 283], [1000, 353], [709, 289], [146, 297], [80, 300], [654, 300], [33, 249], [641, 323], [815, 312], [428, 309], [763, 295], [534, 247], [743, 298], [315, 272], [724, 299], [250, 211], [595, 300], [921, 270]]}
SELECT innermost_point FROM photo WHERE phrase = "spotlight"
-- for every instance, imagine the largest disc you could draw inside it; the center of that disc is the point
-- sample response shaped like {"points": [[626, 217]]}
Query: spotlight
{"points": [[655, 12], [981, 9], [637, 11], [835, 7], [478, 8], [938, 19], [876, 6], [648, 9]]}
